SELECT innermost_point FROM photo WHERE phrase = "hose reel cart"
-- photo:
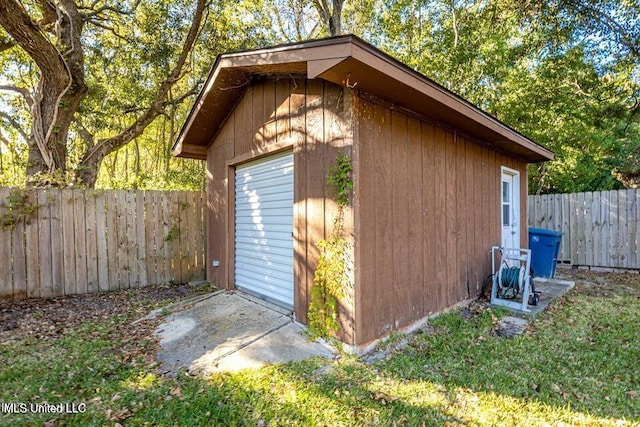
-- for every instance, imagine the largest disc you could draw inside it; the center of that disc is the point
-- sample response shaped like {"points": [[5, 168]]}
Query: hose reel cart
{"points": [[512, 285]]}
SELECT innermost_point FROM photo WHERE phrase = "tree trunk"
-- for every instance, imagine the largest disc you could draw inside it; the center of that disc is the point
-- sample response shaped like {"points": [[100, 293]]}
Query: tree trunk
{"points": [[331, 17], [60, 89]]}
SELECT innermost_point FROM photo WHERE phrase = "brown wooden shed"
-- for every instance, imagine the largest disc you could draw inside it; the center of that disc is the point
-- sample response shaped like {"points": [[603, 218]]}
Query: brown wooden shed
{"points": [[437, 181]]}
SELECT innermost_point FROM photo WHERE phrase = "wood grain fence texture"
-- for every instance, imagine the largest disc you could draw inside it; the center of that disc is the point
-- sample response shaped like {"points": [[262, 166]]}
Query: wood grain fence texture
{"points": [[85, 241], [600, 229]]}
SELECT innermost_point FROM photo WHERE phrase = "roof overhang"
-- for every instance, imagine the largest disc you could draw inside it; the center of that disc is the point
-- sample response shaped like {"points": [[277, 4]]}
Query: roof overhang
{"points": [[344, 60]]}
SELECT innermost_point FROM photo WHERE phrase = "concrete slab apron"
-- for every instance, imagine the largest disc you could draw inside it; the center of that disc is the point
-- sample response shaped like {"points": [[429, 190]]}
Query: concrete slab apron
{"points": [[231, 331]]}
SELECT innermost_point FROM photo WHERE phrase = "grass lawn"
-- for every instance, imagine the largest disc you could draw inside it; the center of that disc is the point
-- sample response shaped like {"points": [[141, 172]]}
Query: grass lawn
{"points": [[578, 364]]}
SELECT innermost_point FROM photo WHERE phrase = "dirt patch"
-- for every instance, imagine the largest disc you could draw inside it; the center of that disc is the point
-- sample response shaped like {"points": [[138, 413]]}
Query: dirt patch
{"points": [[599, 284], [55, 317]]}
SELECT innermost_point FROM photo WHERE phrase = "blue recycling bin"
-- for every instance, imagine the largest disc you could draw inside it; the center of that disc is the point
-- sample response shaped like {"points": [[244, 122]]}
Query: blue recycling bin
{"points": [[545, 246]]}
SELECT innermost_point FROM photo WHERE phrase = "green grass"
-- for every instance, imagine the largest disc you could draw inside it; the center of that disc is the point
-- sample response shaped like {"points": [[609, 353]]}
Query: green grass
{"points": [[578, 365]]}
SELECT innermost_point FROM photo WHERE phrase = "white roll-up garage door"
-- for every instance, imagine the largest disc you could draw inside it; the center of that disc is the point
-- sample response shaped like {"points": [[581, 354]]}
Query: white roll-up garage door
{"points": [[264, 228]]}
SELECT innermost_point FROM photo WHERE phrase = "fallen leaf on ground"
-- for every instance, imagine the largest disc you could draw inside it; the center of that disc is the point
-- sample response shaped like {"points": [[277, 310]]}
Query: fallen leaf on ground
{"points": [[176, 392], [117, 415], [384, 398]]}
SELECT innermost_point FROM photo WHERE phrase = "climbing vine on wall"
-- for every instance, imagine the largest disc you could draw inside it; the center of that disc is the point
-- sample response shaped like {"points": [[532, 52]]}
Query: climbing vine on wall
{"points": [[15, 208], [332, 275]]}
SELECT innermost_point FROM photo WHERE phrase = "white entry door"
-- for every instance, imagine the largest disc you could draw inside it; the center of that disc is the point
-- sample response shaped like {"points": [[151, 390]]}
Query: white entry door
{"points": [[510, 204], [264, 228]]}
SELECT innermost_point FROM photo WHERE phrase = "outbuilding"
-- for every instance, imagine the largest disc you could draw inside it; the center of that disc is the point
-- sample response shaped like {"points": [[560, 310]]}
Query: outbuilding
{"points": [[436, 181]]}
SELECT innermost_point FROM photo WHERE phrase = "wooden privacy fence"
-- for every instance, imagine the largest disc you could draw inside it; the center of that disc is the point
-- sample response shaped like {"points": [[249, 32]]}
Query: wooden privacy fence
{"points": [[600, 229], [61, 242]]}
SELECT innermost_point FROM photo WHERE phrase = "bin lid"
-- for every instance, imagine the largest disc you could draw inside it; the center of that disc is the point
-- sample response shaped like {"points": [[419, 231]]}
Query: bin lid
{"points": [[545, 232]]}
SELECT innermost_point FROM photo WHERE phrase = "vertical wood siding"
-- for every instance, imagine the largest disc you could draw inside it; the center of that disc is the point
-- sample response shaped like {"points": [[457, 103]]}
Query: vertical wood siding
{"points": [[84, 241], [426, 200], [312, 118], [427, 213]]}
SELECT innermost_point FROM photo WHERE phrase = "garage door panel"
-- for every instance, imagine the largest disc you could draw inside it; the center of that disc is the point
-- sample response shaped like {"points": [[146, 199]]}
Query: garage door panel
{"points": [[257, 172], [263, 246], [260, 223], [263, 181], [268, 201], [252, 196], [250, 229], [277, 185], [278, 230], [264, 278], [264, 287], [266, 244], [273, 271], [269, 215], [280, 270], [263, 228], [269, 212], [270, 165], [255, 201]]}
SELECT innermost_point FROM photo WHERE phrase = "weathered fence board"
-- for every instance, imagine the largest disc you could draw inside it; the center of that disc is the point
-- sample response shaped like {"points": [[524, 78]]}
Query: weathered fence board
{"points": [[57, 249], [18, 261], [101, 248], [150, 259], [31, 249], [600, 229], [74, 241], [44, 239], [141, 240], [92, 242], [6, 281]]}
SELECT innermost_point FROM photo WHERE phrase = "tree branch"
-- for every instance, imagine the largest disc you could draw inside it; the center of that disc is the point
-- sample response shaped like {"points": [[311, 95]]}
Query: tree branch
{"points": [[6, 44], [28, 36], [191, 92], [22, 91], [49, 15], [323, 10], [84, 133], [110, 29], [602, 17], [105, 146], [14, 124], [92, 11], [331, 17]]}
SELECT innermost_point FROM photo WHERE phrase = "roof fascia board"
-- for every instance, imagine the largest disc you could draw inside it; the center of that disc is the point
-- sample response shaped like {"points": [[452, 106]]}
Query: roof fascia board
{"points": [[332, 43], [190, 151], [317, 67], [290, 55], [215, 70]]}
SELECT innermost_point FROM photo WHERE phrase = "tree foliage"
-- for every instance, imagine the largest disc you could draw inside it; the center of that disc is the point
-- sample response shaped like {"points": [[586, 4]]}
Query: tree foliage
{"points": [[102, 75], [564, 72]]}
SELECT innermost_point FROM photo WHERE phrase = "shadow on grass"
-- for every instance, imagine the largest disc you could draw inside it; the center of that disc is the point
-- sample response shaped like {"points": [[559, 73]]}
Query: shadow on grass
{"points": [[283, 395], [583, 356], [575, 366]]}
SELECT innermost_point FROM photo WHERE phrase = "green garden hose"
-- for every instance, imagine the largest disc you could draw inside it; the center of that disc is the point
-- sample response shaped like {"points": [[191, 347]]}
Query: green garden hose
{"points": [[509, 280]]}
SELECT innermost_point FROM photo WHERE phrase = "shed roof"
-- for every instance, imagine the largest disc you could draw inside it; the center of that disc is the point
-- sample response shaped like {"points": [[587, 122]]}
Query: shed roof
{"points": [[342, 60]]}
